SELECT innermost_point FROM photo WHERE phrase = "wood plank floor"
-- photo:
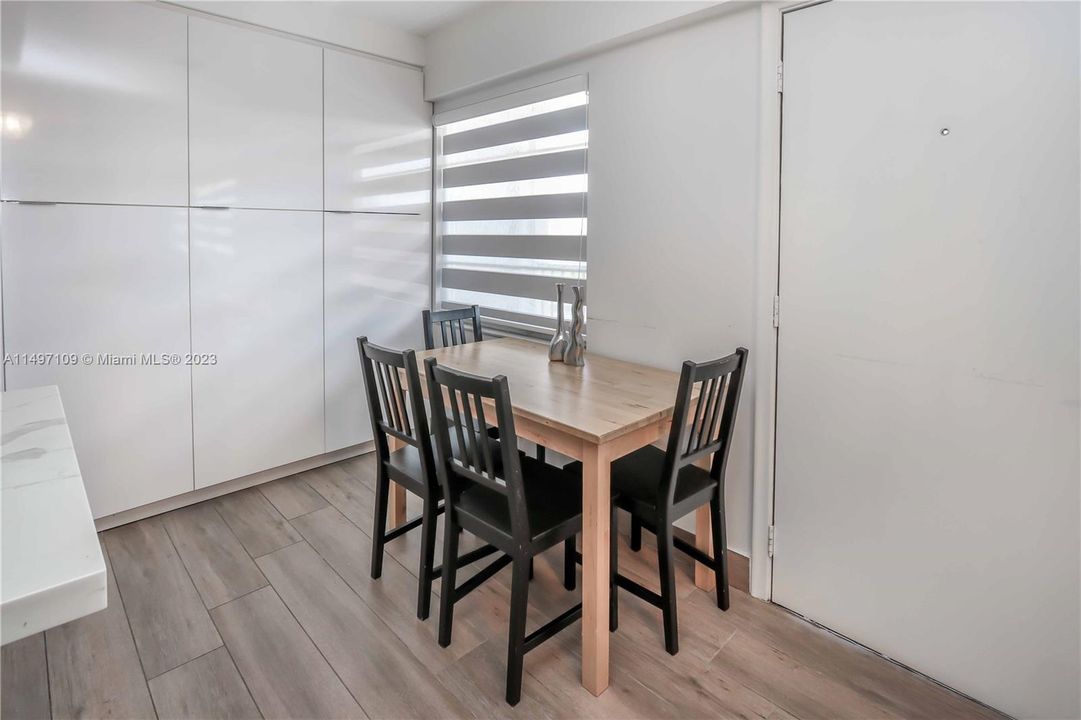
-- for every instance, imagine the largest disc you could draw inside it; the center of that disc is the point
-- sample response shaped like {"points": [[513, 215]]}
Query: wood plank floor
{"points": [[260, 604]]}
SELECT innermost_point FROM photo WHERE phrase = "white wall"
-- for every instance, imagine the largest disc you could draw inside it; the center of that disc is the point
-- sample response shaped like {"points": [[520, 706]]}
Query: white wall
{"points": [[339, 23], [673, 166], [502, 38]]}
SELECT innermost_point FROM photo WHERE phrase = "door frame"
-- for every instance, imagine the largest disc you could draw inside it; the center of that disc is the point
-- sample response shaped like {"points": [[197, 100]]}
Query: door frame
{"points": [[767, 271]]}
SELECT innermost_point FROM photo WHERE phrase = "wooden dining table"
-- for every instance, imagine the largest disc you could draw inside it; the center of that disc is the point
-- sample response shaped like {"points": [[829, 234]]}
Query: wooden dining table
{"points": [[595, 413]]}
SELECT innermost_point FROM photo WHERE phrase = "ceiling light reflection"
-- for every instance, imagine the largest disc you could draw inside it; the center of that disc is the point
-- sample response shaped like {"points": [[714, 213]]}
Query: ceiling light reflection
{"points": [[13, 125]]}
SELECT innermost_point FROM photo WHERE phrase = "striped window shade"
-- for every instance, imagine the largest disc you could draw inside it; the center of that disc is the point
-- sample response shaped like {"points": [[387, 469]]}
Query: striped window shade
{"points": [[511, 180]]}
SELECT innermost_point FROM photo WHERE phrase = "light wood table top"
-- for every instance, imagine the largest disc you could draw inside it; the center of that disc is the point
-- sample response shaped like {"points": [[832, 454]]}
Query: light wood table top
{"points": [[597, 403]]}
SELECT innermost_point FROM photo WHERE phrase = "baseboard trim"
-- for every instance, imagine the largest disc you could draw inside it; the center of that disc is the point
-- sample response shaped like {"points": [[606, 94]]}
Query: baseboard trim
{"points": [[142, 512]]}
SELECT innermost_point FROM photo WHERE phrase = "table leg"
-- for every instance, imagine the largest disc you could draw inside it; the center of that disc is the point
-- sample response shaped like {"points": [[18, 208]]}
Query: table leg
{"points": [[396, 504], [596, 516], [704, 576]]}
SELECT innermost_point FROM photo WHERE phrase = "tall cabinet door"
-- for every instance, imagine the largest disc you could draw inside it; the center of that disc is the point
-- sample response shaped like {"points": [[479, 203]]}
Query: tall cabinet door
{"points": [[257, 308], [95, 103], [106, 285], [378, 136], [378, 273], [256, 119]]}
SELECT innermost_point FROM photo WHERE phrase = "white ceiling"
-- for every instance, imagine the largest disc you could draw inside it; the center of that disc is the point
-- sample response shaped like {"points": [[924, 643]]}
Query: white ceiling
{"points": [[392, 29], [419, 17]]}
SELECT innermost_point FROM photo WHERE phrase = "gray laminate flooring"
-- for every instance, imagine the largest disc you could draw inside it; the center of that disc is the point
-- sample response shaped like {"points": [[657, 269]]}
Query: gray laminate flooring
{"points": [[260, 604]]}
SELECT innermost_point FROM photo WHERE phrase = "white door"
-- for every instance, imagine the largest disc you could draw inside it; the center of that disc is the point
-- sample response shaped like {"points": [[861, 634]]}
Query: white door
{"points": [[927, 486], [95, 99], [257, 307], [104, 285], [256, 119], [378, 136], [378, 275]]}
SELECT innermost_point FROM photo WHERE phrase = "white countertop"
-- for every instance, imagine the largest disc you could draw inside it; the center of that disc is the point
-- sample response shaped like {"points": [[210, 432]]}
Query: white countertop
{"points": [[52, 569]]}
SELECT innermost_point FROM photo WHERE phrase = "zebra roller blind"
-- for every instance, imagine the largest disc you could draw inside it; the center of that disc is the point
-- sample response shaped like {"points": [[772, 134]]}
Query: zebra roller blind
{"points": [[511, 204]]}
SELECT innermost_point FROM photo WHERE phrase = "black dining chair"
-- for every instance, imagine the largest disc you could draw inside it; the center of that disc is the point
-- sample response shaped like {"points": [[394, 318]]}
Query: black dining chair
{"points": [[658, 487], [452, 326], [519, 505], [397, 410], [455, 327]]}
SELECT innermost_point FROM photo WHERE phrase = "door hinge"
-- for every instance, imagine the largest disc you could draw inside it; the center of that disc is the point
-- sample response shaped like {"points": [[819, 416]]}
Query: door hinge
{"points": [[780, 77], [772, 536], [776, 311]]}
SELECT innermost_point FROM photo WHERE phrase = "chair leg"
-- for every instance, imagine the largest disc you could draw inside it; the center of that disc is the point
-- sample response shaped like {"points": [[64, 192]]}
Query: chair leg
{"points": [[519, 599], [720, 549], [570, 574], [636, 534], [668, 585], [427, 559], [613, 597], [530, 568], [541, 453], [450, 572], [379, 533]]}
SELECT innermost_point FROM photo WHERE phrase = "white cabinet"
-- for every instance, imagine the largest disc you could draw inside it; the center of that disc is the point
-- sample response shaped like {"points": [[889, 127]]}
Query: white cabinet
{"points": [[110, 283], [128, 115], [378, 141], [94, 103], [378, 274], [256, 119], [257, 305], [378, 136]]}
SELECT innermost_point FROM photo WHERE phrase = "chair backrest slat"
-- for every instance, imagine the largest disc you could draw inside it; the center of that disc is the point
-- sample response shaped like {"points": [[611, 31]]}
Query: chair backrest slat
{"points": [[700, 412], [392, 407], [728, 417], [469, 449], [721, 398], [452, 326], [714, 387], [459, 424], [391, 404], [384, 398], [486, 445], [703, 425], [399, 397], [475, 461]]}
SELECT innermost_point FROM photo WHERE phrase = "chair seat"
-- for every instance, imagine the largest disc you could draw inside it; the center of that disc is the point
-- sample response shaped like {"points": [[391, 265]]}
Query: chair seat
{"points": [[405, 469], [553, 499], [636, 481]]}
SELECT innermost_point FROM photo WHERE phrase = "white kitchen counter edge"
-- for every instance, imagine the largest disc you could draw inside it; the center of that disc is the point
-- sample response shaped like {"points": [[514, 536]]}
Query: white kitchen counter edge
{"points": [[52, 568]]}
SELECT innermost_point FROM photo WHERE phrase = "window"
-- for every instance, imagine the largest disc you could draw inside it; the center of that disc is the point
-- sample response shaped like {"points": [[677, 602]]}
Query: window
{"points": [[511, 204]]}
